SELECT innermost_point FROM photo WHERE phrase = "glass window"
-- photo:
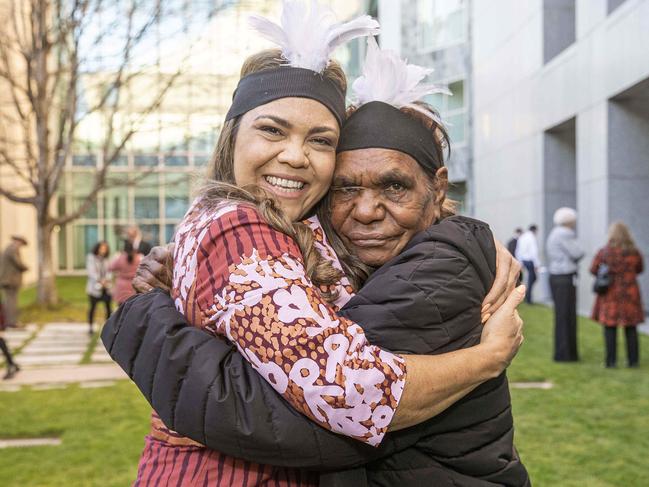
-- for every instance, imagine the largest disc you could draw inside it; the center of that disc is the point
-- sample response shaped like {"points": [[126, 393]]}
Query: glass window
{"points": [[176, 194], [455, 125], [176, 160], [62, 249], [456, 101], [116, 196], [145, 160], [170, 230], [437, 101], [201, 159], [441, 23], [84, 160], [146, 201], [452, 110], [61, 205], [151, 233], [121, 160], [114, 235], [147, 207], [84, 237], [81, 184]]}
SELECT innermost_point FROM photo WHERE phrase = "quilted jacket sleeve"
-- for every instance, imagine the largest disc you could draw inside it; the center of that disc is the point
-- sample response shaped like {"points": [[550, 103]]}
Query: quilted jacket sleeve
{"points": [[204, 389]]}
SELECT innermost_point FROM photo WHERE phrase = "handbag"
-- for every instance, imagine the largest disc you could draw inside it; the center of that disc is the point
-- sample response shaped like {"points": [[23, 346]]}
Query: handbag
{"points": [[602, 278]]}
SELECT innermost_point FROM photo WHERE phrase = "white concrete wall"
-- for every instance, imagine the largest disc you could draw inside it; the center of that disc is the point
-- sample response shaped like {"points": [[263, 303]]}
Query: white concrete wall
{"points": [[517, 98], [390, 20]]}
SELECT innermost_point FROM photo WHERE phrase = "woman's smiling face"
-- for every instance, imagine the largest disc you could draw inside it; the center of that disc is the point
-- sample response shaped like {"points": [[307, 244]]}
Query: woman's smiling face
{"points": [[288, 148]]}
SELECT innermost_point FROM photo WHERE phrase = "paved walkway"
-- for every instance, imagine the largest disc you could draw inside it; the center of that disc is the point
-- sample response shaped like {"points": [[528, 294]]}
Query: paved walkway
{"points": [[52, 354]]}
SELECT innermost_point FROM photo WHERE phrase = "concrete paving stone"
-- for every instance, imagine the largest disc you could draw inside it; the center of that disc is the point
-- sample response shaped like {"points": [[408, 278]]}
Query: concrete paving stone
{"points": [[531, 385], [55, 333], [80, 333], [29, 360], [9, 388], [49, 387], [13, 344], [18, 333], [56, 349], [101, 358], [46, 342], [97, 383], [67, 374], [28, 442], [65, 326]]}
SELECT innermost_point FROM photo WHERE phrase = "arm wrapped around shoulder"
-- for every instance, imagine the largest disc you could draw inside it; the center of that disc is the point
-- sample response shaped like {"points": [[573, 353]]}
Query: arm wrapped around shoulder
{"points": [[202, 388]]}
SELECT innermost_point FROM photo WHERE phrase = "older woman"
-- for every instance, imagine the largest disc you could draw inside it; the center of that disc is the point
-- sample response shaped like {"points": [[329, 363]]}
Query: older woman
{"points": [[381, 245], [563, 253]]}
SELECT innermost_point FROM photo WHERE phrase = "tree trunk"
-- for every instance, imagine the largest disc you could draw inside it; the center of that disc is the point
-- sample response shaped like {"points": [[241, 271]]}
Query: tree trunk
{"points": [[46, 286]]}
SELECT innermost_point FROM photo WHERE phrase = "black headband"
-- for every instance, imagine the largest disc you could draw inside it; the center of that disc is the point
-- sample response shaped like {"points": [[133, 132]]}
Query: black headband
{"points": [[377, 125], [262, 87]]}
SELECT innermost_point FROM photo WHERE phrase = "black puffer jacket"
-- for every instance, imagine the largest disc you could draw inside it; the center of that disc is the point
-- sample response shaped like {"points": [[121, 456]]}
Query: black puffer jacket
{"points": [[426, 300]]}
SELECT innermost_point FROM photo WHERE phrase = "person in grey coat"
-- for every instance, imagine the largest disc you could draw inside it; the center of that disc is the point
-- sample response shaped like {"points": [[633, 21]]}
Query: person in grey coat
{"points": [[11, 278], [564, 252], [98, 286]]}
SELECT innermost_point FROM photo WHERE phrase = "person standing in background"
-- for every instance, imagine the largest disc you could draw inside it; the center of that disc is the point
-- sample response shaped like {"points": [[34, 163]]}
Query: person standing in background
{"points": [[11, 278], [621, 304], [99, 280], [12, 367], [511, 245], [134, 236], [527, 252], [564, 252], [123, 266]]}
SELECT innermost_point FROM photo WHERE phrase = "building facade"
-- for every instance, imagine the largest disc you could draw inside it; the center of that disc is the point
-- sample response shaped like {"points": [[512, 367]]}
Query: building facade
{"points": [[436, 34], [561, 117]]}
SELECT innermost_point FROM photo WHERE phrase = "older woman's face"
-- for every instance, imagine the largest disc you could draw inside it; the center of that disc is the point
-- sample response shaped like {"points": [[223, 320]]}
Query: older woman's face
{"points": [[380, 199], [288, 148]]}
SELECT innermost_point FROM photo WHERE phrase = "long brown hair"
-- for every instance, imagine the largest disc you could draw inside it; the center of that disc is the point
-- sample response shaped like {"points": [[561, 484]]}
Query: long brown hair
{"points": [[221, 185], [619, 236]]}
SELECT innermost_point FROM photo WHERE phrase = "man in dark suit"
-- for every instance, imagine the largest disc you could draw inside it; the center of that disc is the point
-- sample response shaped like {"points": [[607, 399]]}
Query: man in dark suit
{"points": [[511, 245], [134, 236]]}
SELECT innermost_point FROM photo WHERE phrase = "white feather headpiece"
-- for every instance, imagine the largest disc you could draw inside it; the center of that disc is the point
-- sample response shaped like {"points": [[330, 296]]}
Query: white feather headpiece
{"points": [[308, 37], [389, 79]]}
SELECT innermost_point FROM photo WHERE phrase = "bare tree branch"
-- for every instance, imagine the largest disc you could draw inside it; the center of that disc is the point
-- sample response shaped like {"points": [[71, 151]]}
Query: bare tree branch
{"points": [[15, 198]]}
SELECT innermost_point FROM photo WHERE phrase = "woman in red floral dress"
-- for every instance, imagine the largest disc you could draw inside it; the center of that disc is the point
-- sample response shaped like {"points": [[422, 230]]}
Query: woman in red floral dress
{"points": [[621, 305]]}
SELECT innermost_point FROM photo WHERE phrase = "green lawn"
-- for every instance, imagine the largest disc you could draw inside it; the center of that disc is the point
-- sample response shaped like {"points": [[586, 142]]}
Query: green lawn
{"points": [[589, 430], [73, 304], [102, 431]]}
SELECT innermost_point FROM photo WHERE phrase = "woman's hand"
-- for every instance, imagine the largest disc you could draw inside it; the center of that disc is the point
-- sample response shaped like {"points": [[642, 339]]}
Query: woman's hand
{"points": [[155, 270], [503, 332], [508, 270]]}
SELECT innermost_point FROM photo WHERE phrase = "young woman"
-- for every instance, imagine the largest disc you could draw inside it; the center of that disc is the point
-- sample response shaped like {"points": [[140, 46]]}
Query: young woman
{"points": [[98, 285], [621, 305], [123, 267]]}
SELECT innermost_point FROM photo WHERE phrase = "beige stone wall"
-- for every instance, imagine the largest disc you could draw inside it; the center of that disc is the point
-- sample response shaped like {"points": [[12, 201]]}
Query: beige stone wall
{"points": [[21, 220], [15, 218]]}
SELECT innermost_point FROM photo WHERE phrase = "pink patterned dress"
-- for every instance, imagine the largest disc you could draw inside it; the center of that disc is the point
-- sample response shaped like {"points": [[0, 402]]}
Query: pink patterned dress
{"points": [[237, 277]]}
